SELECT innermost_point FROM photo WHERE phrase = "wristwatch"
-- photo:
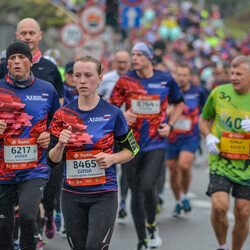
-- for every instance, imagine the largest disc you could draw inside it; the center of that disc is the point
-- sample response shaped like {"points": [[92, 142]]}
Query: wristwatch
{"points": [[171, 127]]}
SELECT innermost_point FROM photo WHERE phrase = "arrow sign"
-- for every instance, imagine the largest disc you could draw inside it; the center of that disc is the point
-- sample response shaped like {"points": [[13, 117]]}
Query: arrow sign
{"points": [[131, 17]]}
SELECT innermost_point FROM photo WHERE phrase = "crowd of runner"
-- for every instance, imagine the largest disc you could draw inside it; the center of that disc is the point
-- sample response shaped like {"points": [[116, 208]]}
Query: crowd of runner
{"points": [[60, 140]]}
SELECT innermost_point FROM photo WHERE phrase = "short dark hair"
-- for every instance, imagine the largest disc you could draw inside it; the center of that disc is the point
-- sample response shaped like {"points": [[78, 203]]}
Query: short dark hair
{"points": [[185, 65]]}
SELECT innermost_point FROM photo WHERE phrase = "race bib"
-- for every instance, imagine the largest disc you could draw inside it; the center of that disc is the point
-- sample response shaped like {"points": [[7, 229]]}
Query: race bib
{"points": [[235, 145], [183, 125], [83, 170], [146, 106], [20, 153]]}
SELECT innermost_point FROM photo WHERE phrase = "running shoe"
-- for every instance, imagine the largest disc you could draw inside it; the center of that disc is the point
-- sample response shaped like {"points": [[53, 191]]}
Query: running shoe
{"points": [[58, 221], [154, 239], [16, 245], [142, 245], [122, 216], [39, 243], [223, 248], [44, 241], [186, 205], [122, 213], [50, 227], [177, 210], [161, 198], [64, 233]]}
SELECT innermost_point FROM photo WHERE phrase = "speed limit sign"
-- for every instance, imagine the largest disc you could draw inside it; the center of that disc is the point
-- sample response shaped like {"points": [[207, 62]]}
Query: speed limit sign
{"points": [[71, 35], [93, 46]]}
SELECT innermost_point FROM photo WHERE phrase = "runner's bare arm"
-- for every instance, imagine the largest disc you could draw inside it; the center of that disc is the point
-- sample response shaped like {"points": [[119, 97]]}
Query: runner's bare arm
{"points": [[176, 113], [105, 160], [3, 126], [204, 126], [129, 148], [166, 128], [55, 154], [130, 117], [44, 139]]}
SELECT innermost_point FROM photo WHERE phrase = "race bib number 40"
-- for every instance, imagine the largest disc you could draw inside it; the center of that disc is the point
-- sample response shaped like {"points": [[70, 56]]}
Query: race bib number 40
{"points": [[20, 153], [235, 145], [83, 170], [146, 106]]}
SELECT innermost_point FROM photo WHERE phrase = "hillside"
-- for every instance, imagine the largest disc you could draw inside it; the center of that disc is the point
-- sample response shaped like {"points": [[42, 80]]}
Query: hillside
{"points": [[239, 24]]}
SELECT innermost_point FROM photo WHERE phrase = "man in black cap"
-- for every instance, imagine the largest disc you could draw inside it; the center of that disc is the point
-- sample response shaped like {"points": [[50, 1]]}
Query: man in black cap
{"points": [[29, 30], [23, 140]]}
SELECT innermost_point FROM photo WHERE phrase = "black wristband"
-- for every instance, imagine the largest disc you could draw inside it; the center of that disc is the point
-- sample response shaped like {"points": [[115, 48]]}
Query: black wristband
{"points": [[171, 127]]}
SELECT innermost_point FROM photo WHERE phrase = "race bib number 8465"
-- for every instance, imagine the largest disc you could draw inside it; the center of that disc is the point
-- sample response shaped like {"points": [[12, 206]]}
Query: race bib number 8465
{"points": [[83, 170]]}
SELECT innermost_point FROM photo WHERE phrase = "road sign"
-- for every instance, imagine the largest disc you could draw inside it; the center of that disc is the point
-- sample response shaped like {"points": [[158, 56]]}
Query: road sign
{"points": [[92, 19], [71, 35], [132, 2], [131, 17], [92, 46]]}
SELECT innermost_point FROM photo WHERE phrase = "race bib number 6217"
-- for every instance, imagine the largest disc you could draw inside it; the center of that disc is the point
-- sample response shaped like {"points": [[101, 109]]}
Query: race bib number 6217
{"points": [[20, 153]]}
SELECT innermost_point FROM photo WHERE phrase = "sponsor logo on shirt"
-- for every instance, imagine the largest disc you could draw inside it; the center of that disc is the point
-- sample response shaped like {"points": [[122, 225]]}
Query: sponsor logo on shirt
{"points": [[19, 142], [157, 85], [82, 155], [190, 96], [104, 118], [37, 97]]}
